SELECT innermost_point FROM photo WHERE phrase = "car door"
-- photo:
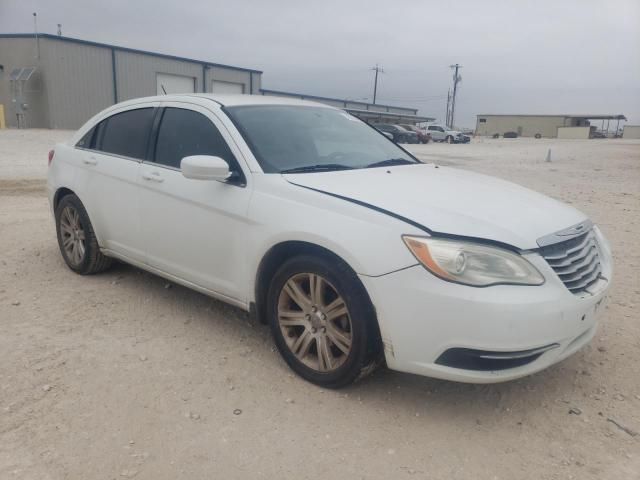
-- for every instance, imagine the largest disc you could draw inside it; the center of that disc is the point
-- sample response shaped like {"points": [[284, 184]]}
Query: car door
{"points": [[109, 159], [437, 133], [195, 230]]}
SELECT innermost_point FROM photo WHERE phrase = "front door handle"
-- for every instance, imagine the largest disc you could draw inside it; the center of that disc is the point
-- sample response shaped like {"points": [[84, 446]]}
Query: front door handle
{"points": [[153, 177], [90, 161]]}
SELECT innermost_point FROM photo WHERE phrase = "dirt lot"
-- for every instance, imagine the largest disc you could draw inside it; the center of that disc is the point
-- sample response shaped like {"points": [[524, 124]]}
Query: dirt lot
{"points": [[117, 375]]}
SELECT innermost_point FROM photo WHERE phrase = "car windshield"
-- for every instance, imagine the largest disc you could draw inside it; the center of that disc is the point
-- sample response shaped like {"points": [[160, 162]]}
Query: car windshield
{"points": [[287, 138]]}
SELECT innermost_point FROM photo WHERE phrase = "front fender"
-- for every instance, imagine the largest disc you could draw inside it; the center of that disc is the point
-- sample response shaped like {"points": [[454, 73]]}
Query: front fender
{"points": [[367, 240]]}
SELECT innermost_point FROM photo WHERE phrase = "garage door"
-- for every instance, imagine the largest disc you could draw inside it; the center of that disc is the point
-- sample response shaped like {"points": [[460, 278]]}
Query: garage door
{"points": [[218, 86], [167, 83]]}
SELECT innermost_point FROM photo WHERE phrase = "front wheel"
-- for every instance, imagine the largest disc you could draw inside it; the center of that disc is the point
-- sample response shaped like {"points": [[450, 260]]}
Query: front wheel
{"points": [[76, 238], [322, 321]]}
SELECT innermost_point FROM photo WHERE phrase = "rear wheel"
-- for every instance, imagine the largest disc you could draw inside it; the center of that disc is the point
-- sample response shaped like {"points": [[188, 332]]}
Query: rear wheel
{"points": [[76, 238], [322, 321]]}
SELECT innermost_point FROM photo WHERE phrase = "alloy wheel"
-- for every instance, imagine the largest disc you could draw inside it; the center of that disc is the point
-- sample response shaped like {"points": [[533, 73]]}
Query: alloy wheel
{"points": [[73, 235], [315, 322]]}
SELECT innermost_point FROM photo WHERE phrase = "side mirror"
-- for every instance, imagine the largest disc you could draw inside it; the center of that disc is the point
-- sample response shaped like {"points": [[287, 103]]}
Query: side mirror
{"points": [[205, 167]]}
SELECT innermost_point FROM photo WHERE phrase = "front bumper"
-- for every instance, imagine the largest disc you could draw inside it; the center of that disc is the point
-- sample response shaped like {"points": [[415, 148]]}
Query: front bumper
{"points": [[424, 321]]}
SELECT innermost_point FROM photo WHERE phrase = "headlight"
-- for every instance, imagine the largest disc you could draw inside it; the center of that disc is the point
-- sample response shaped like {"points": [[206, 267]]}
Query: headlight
{"points": [[472, 263]]}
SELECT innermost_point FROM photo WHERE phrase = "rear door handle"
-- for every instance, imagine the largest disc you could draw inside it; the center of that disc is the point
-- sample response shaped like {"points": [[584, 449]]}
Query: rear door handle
{"points": [[153, 177], [90, 161]]}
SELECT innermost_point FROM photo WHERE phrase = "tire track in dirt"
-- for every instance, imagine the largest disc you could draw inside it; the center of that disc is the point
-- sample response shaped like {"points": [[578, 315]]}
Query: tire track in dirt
{"points": [[23, 186]]}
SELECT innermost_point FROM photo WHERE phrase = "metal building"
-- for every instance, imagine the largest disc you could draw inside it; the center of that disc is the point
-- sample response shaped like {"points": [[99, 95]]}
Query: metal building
{"points": [[70, 80], [631, 131], [532, 125], [369, 112]]}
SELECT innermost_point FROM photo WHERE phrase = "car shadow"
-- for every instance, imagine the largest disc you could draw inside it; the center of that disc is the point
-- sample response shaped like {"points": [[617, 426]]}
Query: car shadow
{"points": [[406, 392]]}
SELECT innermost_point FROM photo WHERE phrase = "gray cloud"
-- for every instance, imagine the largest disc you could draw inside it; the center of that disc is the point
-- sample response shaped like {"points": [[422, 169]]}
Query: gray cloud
{"points": [[574, 56]]}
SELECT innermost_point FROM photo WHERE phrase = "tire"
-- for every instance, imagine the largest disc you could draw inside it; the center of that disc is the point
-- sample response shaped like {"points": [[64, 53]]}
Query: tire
{"points": [[76, 238], [537, 135], [449, 139], [305, 329]]}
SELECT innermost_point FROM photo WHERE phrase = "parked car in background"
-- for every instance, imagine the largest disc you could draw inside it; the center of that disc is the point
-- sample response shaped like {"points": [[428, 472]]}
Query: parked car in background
{"points": [[510, 135], [400, 135], [423, 136], [350, 248], [386, 134], [441, 133]]}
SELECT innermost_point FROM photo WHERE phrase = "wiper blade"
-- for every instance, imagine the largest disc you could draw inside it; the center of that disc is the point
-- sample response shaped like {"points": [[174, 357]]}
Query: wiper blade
{"points": [[322, 167], [390, 162]]}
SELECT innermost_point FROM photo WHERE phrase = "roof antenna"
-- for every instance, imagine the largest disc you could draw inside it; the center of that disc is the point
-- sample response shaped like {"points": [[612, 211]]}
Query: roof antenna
{"points": [[59, 29]]}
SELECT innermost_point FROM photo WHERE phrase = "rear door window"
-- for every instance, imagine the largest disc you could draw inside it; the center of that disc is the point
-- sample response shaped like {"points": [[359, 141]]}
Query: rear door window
{"points": [[185, 132], [126, 133]]}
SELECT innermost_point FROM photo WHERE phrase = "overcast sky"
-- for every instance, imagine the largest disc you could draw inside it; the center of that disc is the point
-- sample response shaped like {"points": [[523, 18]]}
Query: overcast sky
{"points": [[561, 56]]}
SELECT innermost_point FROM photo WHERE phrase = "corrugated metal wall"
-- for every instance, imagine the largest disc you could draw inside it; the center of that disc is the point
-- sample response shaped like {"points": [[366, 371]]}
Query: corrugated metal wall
{"points": [[75, 79], [339, 103], [19, 53], [136, 73], [631, 131], [225, 75], [256, 83], [78, 80], [574, 133], [526, 126]]}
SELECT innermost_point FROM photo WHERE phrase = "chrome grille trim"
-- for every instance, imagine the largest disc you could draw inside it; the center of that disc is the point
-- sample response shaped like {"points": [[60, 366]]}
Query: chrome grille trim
{"points": [[577, 249], [575, 260]]}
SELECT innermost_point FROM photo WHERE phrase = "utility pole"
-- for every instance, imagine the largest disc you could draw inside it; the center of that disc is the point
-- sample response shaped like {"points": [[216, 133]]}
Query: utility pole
{"points": [[35, 32], [376, 69], [456, 79], [446, 118]]}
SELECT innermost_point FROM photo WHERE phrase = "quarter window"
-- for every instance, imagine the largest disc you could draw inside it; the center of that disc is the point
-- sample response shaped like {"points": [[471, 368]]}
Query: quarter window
{"points": [[183, 133], [87, 140], [126, 133]]}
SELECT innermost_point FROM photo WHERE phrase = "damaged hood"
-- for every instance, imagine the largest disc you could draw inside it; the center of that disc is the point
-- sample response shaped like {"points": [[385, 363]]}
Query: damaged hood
{"points": [[449, 201]]}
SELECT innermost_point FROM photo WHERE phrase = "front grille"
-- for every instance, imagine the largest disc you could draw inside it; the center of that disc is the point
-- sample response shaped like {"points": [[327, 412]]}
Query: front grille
{"points": [[576, 261]]}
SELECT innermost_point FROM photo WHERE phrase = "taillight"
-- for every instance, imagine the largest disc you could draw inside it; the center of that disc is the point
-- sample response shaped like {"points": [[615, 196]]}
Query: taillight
{"points": [[51, 153]]}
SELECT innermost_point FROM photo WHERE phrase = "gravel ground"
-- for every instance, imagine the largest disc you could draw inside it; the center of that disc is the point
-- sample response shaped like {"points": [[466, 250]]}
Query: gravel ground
{"points": [[122, 375]]}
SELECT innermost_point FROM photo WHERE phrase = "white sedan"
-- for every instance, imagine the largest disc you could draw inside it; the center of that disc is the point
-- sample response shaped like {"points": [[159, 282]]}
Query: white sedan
{"points": [[351, 249]]}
